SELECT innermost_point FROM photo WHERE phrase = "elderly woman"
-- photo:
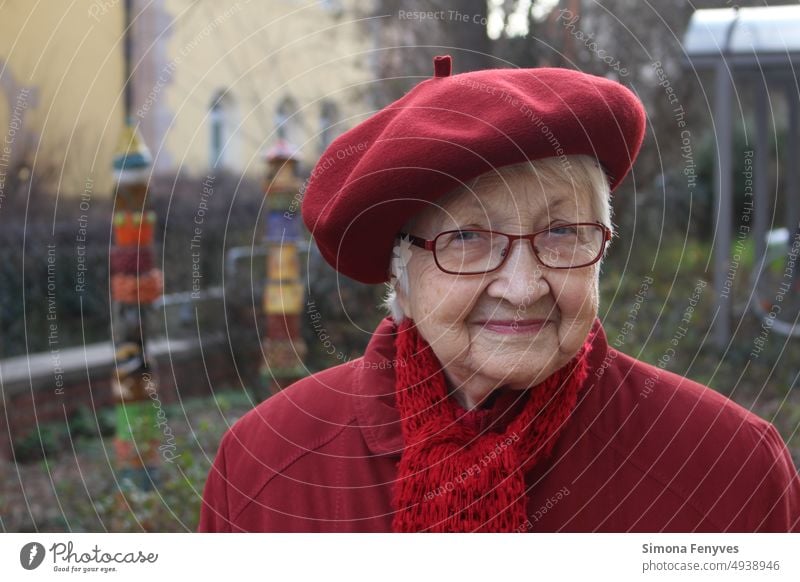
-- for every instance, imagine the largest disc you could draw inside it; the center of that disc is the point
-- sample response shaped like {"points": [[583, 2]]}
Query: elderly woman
{"points": [[490, 400]]}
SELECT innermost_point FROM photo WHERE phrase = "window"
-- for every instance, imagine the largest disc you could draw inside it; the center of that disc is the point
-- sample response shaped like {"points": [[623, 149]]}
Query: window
{"points": [[287, 121], [328, 118], [222, 120]]}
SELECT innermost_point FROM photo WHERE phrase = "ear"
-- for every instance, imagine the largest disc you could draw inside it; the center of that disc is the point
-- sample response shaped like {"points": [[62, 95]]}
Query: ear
{"points": [[403, 302]]}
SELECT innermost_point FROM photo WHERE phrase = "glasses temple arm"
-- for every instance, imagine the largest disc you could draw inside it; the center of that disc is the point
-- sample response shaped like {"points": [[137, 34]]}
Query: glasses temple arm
{"points": [[417, 241]]}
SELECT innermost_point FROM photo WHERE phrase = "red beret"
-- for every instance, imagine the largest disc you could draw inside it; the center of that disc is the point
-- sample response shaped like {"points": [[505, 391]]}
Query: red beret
{"points": [[447, 130]]}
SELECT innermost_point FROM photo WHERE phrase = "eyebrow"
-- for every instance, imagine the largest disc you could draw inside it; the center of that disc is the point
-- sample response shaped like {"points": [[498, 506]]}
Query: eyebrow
{"points": [[473, 209]]}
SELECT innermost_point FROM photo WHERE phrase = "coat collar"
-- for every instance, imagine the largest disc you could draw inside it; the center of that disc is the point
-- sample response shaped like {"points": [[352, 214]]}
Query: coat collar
{"points": [[375, 407], [374, 395]]}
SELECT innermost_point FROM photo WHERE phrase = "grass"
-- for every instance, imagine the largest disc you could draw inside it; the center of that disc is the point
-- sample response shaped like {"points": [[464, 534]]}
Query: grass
{"points": [[78, 489]]}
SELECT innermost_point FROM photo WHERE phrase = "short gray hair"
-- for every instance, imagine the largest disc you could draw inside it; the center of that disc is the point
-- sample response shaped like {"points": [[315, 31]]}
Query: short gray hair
{"points": [[583, 172]]}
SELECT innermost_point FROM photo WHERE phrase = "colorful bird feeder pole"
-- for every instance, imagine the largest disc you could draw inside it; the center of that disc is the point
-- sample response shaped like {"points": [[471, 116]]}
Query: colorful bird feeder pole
{"points": [[136, 283], [283, 347]]}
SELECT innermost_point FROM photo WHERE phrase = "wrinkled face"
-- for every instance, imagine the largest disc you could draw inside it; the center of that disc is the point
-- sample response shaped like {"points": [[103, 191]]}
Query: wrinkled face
{"points": [[517, 325]]}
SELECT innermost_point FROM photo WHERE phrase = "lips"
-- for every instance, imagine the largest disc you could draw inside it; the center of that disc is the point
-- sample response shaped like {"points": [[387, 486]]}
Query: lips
{"points": [[513, 326]]}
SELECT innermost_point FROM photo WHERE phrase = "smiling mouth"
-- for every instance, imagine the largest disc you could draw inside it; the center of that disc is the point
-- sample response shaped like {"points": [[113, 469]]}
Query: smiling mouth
{"points": [[513, 326]]}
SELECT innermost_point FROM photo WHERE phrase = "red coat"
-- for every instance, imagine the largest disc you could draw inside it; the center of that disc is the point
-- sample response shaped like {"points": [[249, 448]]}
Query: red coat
{"points": [[645, 450]]}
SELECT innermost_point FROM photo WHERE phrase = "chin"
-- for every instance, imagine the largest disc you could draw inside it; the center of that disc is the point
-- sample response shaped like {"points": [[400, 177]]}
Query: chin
{"points": [[519, 374], [518, 353]]}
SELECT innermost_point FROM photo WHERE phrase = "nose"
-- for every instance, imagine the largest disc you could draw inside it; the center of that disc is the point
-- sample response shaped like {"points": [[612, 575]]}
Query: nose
{"points": [[521, 279]]}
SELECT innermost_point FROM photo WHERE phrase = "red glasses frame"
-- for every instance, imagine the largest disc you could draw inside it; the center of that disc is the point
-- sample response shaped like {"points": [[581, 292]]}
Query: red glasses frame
{"points": [[430, 245]]}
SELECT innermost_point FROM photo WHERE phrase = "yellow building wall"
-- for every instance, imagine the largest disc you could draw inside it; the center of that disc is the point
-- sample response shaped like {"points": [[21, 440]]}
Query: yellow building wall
{"points": [[260, 52], [65, 63]]}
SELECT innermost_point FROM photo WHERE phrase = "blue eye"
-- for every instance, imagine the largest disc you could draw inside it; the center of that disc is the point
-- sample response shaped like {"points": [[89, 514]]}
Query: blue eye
{"points": [[465, 238], [563, 230], [466, 235]]}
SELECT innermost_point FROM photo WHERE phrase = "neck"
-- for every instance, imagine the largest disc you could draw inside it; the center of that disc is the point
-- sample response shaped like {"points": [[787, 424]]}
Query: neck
{"points": [[480, 392], [470, 402], [473, 393]]}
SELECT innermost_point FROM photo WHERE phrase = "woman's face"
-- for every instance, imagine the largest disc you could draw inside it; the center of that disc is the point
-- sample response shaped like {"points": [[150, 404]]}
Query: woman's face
{"points": [[514, 326]]}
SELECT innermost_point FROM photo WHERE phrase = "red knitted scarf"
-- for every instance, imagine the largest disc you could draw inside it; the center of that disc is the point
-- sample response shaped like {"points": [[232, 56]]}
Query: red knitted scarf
{"points": [[451, 477]]}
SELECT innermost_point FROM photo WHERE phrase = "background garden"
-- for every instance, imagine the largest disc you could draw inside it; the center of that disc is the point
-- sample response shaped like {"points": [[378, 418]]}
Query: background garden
{"points": [[61, 473]]}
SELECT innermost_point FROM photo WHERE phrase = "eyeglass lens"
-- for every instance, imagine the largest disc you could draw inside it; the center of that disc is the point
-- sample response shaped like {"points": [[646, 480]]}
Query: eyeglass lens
{"points": [[477, 251]]}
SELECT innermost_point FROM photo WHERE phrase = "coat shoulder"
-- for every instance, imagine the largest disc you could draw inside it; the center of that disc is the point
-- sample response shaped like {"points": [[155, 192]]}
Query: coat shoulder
{"points": [[304, 412], [659, 391], [720, 458], [283, 429]]}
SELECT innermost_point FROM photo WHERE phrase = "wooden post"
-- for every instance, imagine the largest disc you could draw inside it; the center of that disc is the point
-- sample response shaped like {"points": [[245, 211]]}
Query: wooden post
{"points": [[283, 347], [135, 284]]}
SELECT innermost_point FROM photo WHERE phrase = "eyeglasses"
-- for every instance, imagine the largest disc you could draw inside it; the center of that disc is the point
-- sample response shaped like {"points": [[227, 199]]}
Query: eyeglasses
{"points": [[476, 251]]}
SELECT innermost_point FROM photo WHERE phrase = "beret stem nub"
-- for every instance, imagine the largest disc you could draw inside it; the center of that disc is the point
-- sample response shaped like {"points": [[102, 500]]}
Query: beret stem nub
{"points": [[442, 66]]}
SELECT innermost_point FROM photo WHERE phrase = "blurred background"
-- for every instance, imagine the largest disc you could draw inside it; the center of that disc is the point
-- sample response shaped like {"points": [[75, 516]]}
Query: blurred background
{"points": [[156, 281]]}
